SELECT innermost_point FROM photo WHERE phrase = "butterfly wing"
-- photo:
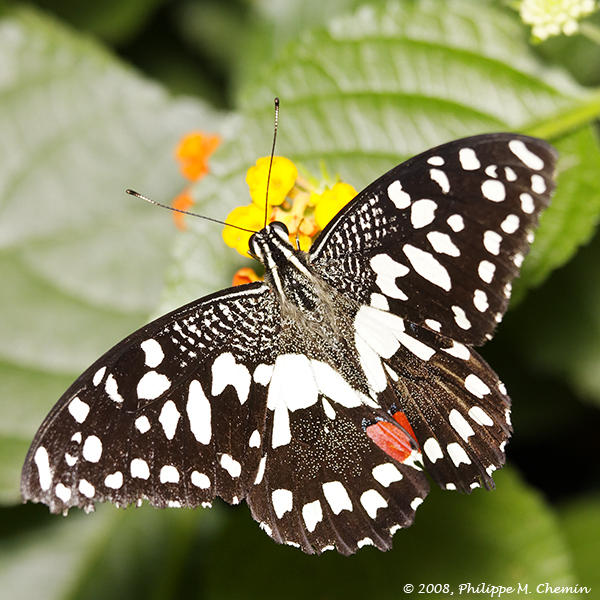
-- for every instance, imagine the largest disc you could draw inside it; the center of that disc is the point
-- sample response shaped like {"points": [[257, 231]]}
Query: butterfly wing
{"points": [[439, 238], [169, 414], [328, 485], [429, 252]]}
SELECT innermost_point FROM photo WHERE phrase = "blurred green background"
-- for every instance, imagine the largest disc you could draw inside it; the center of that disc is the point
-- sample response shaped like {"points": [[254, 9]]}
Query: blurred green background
{"points": [[93, 99]]}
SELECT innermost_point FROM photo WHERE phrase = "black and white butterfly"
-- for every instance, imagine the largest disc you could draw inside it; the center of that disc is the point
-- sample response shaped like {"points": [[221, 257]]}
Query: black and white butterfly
{"points": [[322, 395]]}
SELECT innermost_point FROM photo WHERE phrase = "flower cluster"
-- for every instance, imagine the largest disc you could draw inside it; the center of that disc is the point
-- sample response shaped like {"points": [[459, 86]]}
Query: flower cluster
{"points": [[552, 17], [192, 153], [301, 203]]}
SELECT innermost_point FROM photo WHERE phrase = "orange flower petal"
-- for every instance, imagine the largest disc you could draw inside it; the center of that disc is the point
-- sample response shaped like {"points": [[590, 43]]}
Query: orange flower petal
{"points": [[181, 202], [245, 275], [193, 152]]}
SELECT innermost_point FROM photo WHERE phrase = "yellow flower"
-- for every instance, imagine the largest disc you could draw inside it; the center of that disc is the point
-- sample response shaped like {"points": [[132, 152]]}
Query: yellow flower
{"points": [[193, 152], [283, 177], [249, 217], [331, 201]]}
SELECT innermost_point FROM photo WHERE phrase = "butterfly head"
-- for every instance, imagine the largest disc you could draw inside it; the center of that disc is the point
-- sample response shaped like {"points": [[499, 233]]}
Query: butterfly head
{"points": [[270, 241]]}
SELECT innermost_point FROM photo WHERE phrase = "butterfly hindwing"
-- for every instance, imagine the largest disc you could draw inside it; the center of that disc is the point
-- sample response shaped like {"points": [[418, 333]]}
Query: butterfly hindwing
{"points": [[439, 238], [331, 486]]}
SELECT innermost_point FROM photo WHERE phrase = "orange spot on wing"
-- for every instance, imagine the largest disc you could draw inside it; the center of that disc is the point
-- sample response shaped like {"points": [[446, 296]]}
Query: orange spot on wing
{"points": [[393, 440]]}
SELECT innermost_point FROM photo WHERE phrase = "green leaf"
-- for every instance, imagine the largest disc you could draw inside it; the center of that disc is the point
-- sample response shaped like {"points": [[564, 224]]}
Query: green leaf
{"points": [[502, 537], [82, 264], [580, 520], [135, 553], [112, 20], [562, 339], [389, 81]]}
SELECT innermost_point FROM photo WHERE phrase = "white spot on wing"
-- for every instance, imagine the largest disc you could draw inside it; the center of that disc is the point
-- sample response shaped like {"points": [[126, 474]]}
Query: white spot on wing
{"points": [[283, 501], [198, 411], [510, 224], [538, 184], [441, 179], [486, 270], [86, 488], [263, 374], [372, 501], [528, 158], [79, 410], [329, 410], [169, 417], [480, 416], [432, 449], [226, 371], [458, 350], [493, 190], [387, 270], [139, 468], [428, 267], [510, 174], [397, 195], [152, 385], [92, 449], [169, 474], [114, 480], [332, 385], [98, 375], [433, 324], [379, 301], [527, 203], [436, 161], [491, 241], [232, 466], [260, 471], [200, 480], [491, 171], [476, 386], [386, 474], [456, 222], [422, 213], [292, 387], [461, 318], [63, 492], [468, 159], [442, 243], [457, 454], [154, 353], [460, 425], [312, 513], [337, 496], [416, 503], [112, 389], [254, 441], [480, 300], [142, 424]]}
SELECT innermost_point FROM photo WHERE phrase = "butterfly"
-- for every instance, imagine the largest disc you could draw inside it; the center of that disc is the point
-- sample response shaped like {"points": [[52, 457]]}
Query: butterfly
{"points": [[324, 394]]}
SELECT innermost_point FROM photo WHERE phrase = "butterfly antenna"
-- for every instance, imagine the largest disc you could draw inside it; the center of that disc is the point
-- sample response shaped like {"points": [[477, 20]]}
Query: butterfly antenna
{"points": [[276, 122], [185, 212]]}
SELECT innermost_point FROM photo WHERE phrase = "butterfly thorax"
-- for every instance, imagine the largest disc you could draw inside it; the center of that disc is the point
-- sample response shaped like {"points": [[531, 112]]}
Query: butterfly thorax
{"points": [[313, 315]]}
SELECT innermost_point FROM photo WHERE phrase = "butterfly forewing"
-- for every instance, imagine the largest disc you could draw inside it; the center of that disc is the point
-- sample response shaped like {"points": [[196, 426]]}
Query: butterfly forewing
{"points": [[319, 395], [166, 415], [439, 238]]}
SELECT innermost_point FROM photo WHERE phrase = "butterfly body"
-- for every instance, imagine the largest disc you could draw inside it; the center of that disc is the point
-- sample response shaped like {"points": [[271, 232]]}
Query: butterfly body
{"points": [[322, 395]]}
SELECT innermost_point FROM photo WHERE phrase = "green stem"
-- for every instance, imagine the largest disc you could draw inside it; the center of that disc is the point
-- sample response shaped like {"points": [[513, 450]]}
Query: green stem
{"points": [[566, 121], [591, 31]]}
